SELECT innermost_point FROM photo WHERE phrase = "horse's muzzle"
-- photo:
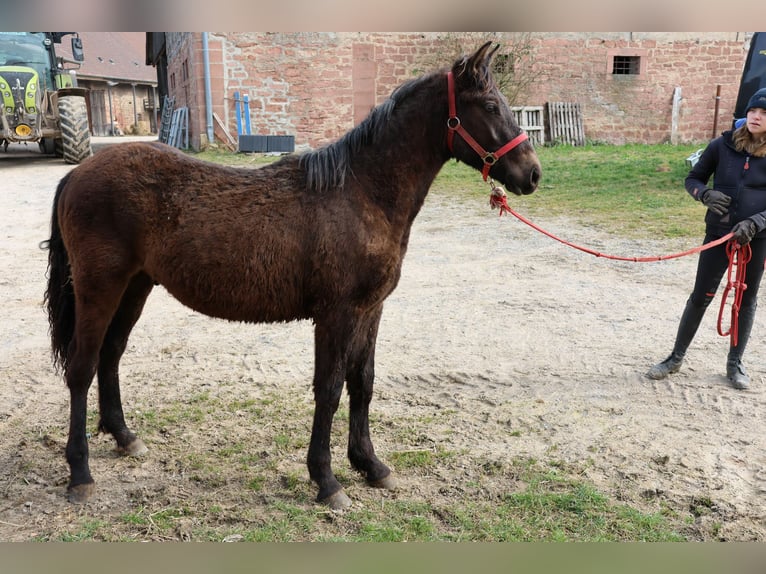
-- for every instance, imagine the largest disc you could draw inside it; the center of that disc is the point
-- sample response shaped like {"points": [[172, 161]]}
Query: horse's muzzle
{"points": [[527, 184]]}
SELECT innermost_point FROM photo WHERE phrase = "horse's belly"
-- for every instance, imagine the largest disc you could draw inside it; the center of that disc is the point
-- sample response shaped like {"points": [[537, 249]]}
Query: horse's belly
{"points": [[242, 299]]}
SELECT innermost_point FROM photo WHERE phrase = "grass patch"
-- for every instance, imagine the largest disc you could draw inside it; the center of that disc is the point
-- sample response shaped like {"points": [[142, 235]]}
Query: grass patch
{"points": [[422, 458], [225, 157], [556, 508], [634, 190], [86, 529]]}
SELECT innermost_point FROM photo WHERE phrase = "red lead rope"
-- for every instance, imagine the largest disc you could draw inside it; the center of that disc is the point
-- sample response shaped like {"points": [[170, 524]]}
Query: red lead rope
{"points": [[739, 255]]}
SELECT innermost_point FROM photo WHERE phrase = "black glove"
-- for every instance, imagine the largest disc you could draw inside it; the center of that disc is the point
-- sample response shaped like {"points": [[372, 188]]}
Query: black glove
{"points": [[744, 231], [716, 201]]}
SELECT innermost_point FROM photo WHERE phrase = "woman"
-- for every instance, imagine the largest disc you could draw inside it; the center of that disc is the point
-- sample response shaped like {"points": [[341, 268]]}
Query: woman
{"points": [[736, 203]]}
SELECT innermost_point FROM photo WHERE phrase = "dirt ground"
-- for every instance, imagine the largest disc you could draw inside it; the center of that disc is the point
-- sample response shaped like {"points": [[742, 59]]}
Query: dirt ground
{"points": [[529, 348]]}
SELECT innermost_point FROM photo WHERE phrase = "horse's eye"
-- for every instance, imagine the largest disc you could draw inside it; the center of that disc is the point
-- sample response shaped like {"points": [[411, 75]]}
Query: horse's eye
{"points": [[491, 107]]}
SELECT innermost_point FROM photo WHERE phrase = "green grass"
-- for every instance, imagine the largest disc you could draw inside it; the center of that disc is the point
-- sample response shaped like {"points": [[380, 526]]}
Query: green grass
{"points": [[634, 190], [555, 507], [223, 156]]}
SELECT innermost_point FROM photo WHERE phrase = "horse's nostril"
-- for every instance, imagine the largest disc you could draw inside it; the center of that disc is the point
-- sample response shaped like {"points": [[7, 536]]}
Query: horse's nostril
{"points": [[534, 176]]}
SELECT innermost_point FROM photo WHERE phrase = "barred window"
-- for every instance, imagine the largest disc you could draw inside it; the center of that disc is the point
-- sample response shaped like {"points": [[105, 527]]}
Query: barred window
{"points": [[626, 65]]}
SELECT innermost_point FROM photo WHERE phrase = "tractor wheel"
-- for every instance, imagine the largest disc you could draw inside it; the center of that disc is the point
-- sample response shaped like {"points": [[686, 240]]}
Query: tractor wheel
{"points": [[75, 134]]}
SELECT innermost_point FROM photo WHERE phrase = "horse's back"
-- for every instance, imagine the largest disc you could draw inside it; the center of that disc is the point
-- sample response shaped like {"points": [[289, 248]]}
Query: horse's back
{"points": [[155, 186]]}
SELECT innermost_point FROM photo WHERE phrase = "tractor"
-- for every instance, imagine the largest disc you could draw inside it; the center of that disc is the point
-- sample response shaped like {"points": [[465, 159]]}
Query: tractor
{"points": [[40, 100]]}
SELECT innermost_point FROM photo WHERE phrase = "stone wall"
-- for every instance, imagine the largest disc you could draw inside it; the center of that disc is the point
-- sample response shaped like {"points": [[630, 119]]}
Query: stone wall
{"points": [[638, 108], [316, 86]]}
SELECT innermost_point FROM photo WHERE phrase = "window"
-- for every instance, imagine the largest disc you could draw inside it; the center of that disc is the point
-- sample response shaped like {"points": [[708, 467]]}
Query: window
{"points": [[502, 65], [626, 65]]}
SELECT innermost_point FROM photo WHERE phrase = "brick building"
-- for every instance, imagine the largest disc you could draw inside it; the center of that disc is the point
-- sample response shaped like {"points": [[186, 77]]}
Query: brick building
{"points": [[122, 88], [631, 87]]}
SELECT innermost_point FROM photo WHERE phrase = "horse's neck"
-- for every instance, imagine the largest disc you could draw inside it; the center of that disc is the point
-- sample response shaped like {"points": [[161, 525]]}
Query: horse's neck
{"points": [[414, 153]]}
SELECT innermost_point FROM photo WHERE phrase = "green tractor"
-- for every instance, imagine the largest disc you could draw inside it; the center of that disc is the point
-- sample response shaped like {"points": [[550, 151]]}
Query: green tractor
{"points": [[40, 100]]}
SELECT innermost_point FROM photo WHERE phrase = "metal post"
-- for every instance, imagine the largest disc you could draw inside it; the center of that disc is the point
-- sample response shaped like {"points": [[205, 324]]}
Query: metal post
{"points": [[247, 114], [154, 109], [109, 86], [208, 90], [135, 108], [717, 104], [238, 113], [675, 115]]}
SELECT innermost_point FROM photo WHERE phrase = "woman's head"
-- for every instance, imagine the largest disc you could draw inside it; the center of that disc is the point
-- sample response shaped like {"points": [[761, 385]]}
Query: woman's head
{"points": [[756, 113]]}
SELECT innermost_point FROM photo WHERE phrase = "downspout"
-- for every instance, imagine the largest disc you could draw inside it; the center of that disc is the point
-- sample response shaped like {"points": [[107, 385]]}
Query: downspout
{"points": [[208, 91]]}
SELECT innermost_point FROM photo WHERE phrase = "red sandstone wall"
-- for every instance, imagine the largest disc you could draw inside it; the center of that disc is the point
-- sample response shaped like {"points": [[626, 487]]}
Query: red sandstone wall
{"points": [[316, 86], [637, 109]]}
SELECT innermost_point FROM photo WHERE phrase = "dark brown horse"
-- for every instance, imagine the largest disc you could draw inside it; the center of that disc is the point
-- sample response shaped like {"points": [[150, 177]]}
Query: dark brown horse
{"points": [[317, 236]]}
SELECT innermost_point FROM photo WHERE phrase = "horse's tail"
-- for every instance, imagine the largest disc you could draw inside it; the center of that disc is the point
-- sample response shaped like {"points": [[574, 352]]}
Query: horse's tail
{"points": [[59, 296]]}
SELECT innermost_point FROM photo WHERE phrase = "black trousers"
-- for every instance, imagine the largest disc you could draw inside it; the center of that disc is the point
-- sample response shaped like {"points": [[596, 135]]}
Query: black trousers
{"points": [[713, 264]]}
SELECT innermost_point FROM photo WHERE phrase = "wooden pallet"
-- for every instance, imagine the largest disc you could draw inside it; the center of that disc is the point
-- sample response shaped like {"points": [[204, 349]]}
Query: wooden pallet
{"points": [[565, 123], [530, 119]]}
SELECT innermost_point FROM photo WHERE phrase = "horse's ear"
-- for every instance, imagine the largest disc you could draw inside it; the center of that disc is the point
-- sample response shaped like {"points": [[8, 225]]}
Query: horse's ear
{"points": [[476, 67]]}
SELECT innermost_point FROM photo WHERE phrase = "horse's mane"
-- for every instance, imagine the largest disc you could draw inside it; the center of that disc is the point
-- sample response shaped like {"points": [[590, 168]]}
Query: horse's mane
{"points": [[327, 167]]}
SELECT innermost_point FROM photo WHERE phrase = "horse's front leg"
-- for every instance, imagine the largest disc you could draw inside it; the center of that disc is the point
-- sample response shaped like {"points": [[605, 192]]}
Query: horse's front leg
{"points": [[360, 377], [330, 343]]}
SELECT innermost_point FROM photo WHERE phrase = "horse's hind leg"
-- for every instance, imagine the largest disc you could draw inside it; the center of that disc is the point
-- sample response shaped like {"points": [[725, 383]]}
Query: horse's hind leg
{"points": [[360, 377], [95, 304], [110, 404]]}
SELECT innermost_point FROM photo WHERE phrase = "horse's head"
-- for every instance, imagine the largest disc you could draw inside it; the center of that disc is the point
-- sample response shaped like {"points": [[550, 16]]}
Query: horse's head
{"points": [[482, 130]]}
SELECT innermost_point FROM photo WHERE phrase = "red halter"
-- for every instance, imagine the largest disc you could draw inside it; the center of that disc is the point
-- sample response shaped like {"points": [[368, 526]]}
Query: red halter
{"points": [[454, 125]]}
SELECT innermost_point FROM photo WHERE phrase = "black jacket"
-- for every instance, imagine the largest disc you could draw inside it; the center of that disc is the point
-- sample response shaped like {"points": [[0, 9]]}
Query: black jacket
{"points": [[740, 176]]}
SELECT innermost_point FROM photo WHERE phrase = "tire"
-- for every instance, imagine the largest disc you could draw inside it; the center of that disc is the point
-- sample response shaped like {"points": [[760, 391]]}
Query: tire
{"points": [[75, 134]]}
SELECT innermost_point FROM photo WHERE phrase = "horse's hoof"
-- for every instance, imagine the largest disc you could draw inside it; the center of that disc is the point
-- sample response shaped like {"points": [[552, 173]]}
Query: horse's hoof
{"points": [[337, 501], [137, 448], [387, 482], [80, 493]]}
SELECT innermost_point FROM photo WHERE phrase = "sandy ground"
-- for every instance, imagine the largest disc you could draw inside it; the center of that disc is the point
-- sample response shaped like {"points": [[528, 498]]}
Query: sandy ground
{"points": [[493, 321]]}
